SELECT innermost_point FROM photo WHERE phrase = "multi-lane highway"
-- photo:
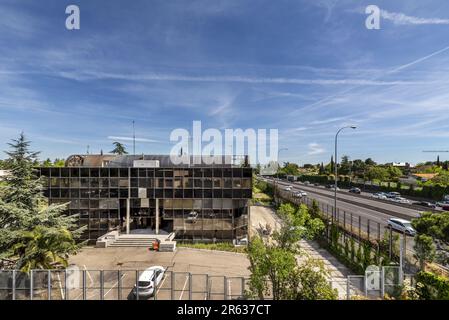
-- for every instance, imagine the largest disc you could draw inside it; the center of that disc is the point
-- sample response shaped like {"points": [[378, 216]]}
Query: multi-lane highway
{"points": [[376, 211]]}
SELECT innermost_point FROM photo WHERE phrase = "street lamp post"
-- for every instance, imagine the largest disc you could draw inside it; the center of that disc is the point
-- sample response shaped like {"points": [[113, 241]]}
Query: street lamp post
{"points": [[279, 151], [336, 169]]}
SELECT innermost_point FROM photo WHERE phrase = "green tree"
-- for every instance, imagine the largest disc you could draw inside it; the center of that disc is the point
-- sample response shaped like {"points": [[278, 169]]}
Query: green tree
{"points": [[119, 149], [358, 167], [44, 248], [59, 163], [394, 172], [377, 173], [47, 163], [290, 169], [24, 209], [433, 224], [345, 165], [274, 267], [370, 162], [424, 249], [441, 178]]}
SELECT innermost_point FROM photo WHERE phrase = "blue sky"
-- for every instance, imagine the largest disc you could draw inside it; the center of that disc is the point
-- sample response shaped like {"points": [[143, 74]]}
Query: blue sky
{"points": [[303, 67]]}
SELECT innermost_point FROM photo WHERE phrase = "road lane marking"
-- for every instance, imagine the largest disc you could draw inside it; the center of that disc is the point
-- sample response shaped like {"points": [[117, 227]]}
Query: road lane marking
{"points": [[121, 278], [183, 289]]}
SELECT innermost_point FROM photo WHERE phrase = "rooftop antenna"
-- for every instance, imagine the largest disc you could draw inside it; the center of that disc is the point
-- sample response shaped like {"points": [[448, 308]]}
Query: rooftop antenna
{"points": [[134, 140], [87, 149]]}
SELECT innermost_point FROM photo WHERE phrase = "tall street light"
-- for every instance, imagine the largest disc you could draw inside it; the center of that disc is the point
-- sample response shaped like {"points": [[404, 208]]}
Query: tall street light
{"points": [[336, 168], [279, 151]]}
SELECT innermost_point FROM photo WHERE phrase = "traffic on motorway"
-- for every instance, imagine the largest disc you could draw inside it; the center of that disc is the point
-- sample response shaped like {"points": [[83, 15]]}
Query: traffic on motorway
{"points": [[393, 197]]}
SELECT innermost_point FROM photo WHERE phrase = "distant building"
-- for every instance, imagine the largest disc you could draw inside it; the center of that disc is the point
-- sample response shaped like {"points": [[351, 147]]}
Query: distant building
{"points": [[3, 174], [402, 165]]}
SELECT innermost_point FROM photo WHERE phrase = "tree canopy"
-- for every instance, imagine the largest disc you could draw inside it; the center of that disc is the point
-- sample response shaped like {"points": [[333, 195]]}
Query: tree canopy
{"points": [[27, 222], [119, 148]]}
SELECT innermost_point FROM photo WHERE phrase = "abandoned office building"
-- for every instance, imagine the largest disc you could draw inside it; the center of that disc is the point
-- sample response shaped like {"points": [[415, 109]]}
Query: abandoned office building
{"points": [[149, 194]]}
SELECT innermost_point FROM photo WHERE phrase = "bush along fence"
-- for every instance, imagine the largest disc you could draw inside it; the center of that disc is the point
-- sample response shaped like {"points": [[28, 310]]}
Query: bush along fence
{"points": [[430, 286], [354, 241], [435, 192]]}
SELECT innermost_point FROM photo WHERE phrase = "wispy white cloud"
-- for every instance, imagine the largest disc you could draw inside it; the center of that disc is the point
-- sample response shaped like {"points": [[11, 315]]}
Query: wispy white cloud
{"points": [[402, 19], [315, 148], [129, 139]]}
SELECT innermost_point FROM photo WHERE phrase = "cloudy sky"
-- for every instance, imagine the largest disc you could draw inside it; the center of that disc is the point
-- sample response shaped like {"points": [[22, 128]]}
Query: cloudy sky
{"points": [[305, 67]]}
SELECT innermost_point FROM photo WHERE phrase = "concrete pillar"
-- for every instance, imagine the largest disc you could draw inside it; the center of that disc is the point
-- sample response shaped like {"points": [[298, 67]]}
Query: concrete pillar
{"points": [[127, 215], [157, 216]]}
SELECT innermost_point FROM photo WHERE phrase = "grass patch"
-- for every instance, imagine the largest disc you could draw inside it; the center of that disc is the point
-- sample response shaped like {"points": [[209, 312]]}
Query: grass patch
{"points": [[220, 246]]}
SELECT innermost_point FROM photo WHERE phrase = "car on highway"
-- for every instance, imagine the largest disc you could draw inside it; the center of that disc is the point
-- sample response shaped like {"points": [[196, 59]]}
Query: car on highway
{"points": [[379, 195], [401, 225], [148, 281], [300, 194], [444, 205], [316, 184], [332, 187], [400, 200], [306, 182], [392, 195], [288, 188], [355, 190], [427, 204]]}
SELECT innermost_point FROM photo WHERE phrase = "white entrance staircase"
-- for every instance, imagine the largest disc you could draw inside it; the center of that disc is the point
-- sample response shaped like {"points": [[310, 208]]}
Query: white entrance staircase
{"points": [[116, 239]]}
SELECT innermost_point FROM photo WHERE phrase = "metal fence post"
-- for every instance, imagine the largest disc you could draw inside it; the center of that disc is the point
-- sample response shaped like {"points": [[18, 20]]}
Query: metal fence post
{"points": [[368, 228], [360, 227], [172, 285], [49, 285], [348, 289], [31, 284], [14, 284], [101, 284], [351, 225], [66, 291], [243, 287], [137, 284], [190, 286], [382, 286], [84, 284], [119, 284], [225, 288], [207, 286]]}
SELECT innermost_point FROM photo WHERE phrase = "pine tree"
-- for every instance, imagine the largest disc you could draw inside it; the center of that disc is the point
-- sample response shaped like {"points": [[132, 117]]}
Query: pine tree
{"points": [[26, 219], [438, 161], [119, 149]]}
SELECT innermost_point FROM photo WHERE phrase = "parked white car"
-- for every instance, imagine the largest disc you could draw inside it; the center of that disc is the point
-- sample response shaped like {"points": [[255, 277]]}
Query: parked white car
{"points": [[402, 226], [149, 280]]}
